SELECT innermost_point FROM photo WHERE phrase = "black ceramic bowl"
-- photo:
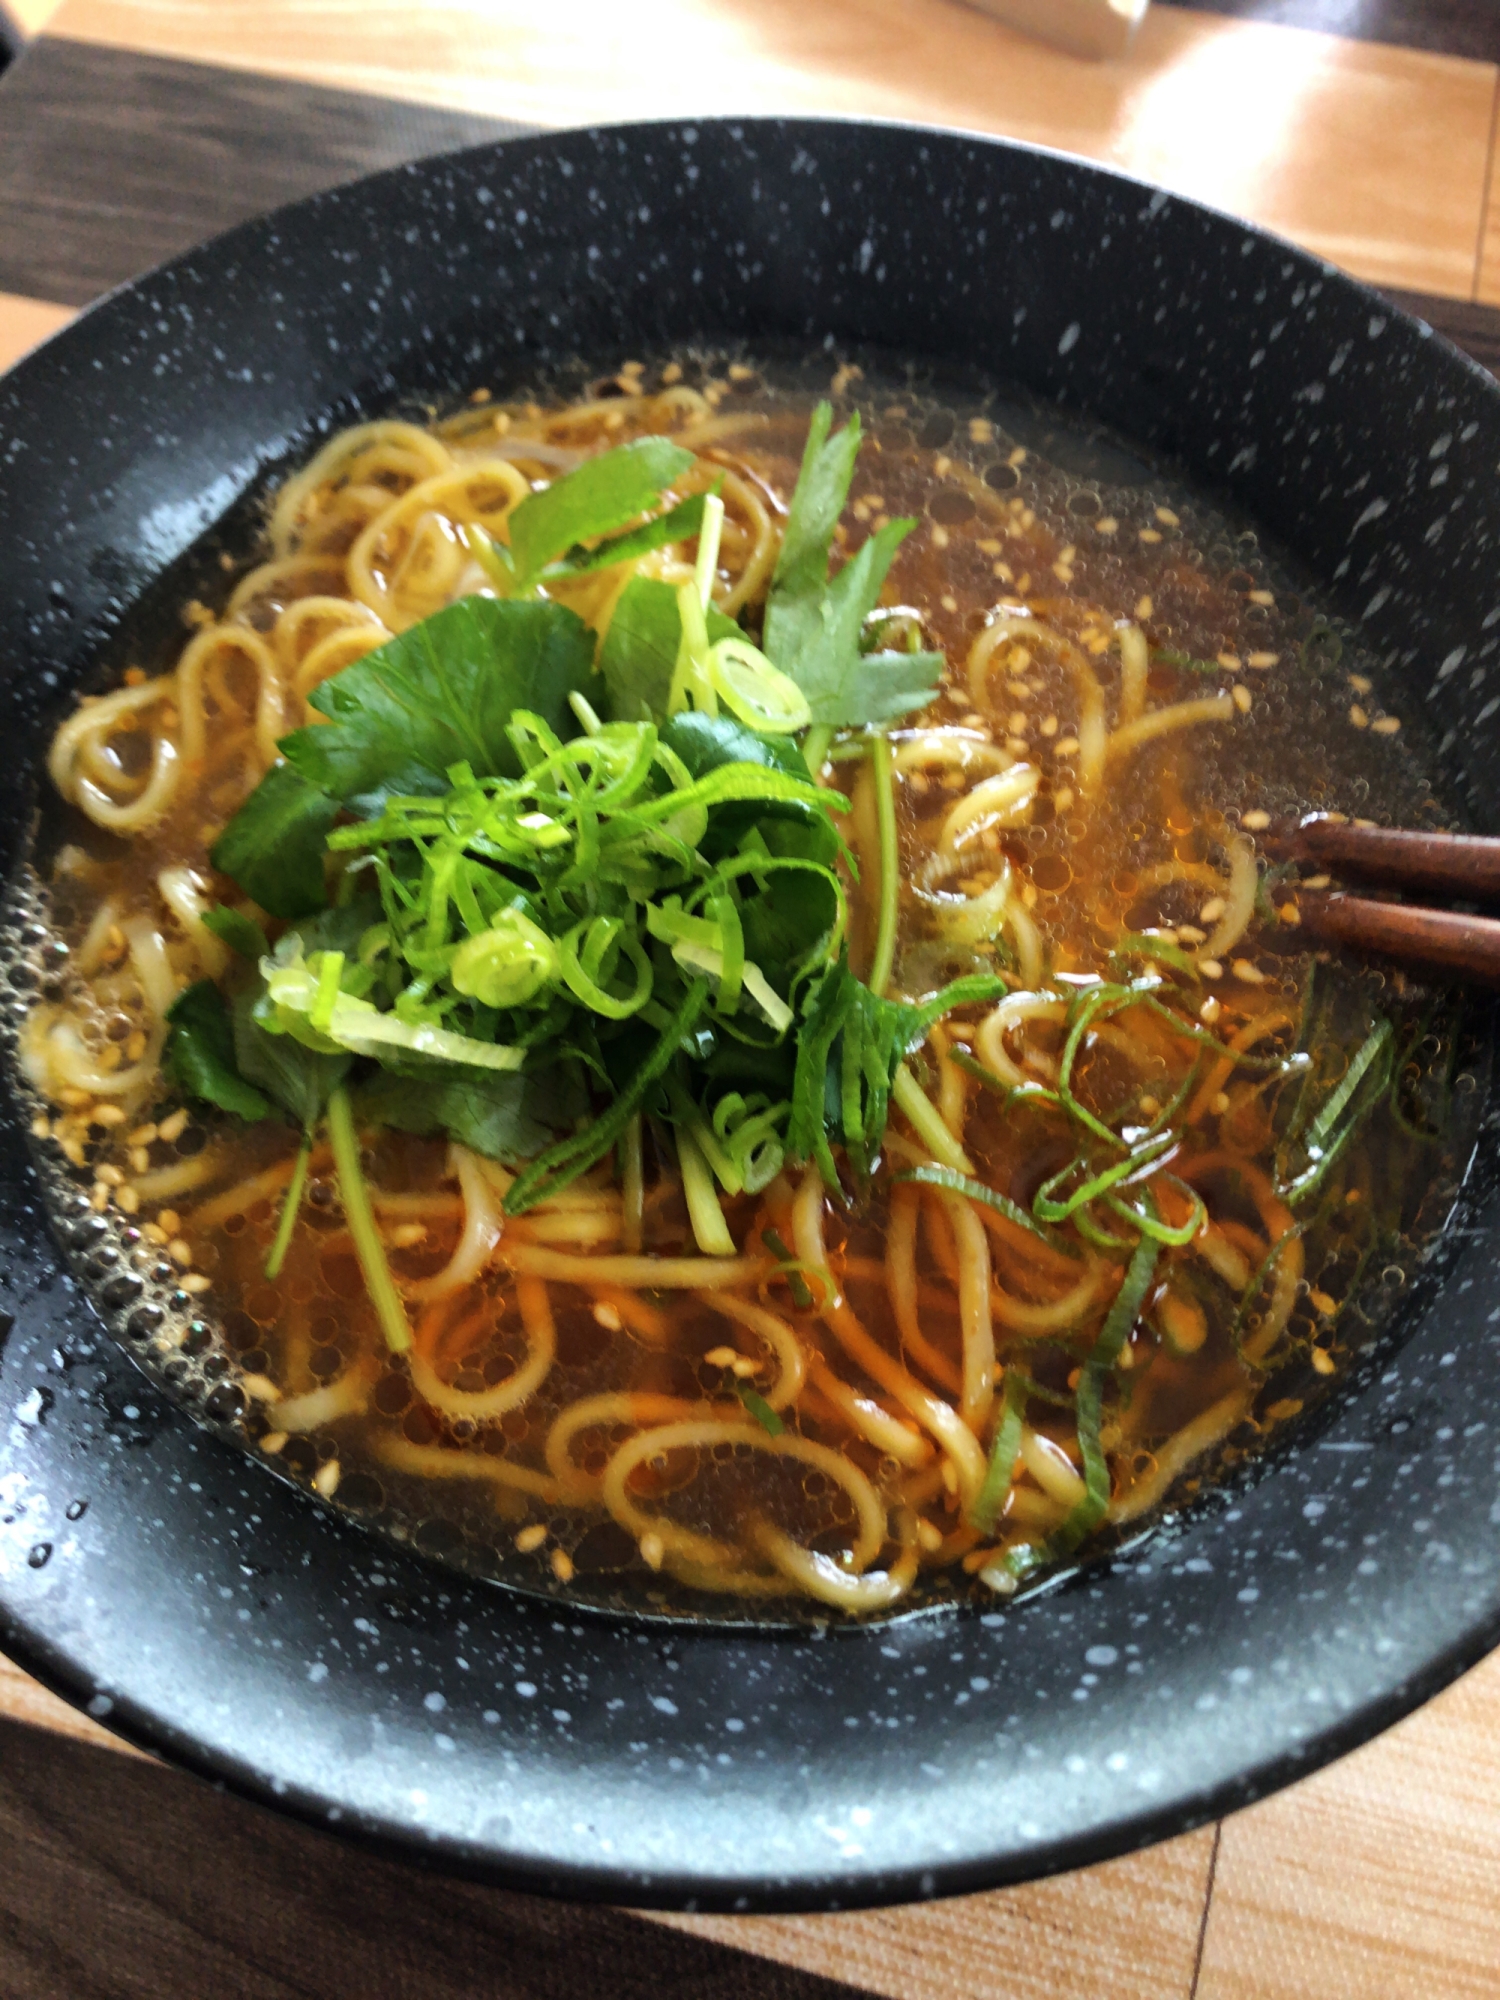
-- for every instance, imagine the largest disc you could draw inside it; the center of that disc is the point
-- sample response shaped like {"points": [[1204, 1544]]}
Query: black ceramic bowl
{"points": [[172, 1587]]}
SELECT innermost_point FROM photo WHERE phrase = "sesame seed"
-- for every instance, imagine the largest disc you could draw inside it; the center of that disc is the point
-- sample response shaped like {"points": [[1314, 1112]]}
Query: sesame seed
{"points": [[1066, 745], [1210, 1010], [1063, 799], [406, 1234], [1017, 721], [653, 1550], [1145, 608], [738, 372], [929, 1535], [180, 1253], [1149, 535], [1245, 969], [1106, 525], [744, 1368], [111, 1176], [1317, 882], [940, 537], [153, 1232], [170, 1130], [1323, 1362], [1358, 716], [948, 602], [942, 465], [1361, 683], [194, 1281], [135, 1048], [1017, 745], [1003, 571], [1049, 725], [981, 430], [1386, 725], [722, 1357], [326, 1478], [1210, 968], [41, 1126], [531, 1538], [1260, 597], [99, 1199], [261, 1387], [273, 1442], [1018, 456], [1256, 821], [140, 1159], [1229, 661], [108, 1114], [1261, 659], [607, 1316], [1212, 910], [562, 1566], [1220, 1103], [1190, 934], [1243, 700], [1323, 1304], [989, 546], [170, 1221]]}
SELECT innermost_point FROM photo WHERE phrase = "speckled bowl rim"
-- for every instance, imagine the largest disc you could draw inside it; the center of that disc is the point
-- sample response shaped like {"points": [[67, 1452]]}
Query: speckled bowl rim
{"points": [[620, 1770]]}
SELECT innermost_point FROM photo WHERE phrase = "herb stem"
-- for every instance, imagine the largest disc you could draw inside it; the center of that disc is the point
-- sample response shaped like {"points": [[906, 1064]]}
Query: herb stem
{"points": [[290, 1208], [927, 1122], [815, 747], [632, 1188], [360, 1216], [709, 1227], [883, 772]]}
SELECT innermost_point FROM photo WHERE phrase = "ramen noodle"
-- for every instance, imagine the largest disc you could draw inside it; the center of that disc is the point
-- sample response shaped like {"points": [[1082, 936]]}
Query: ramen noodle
{"points": [[890, 1173]]}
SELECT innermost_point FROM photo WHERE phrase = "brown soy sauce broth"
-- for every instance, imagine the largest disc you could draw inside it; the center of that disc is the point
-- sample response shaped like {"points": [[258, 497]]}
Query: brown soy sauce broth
{"points": [[1016, 506]]}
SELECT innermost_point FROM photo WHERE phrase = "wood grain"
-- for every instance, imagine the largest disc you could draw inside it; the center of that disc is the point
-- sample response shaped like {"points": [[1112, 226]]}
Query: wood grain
{"points": [[1128, 1929], [113, 161], [1374, 156], [127, 1881], [24, 322], [1375, 1880]]}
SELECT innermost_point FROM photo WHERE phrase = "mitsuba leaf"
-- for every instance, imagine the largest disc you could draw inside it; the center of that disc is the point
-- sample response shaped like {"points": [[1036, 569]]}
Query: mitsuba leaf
{"points": [[813, 623], [601, 495], [442, 694], [239, 932], [678, 524], [705, 742], [510, 1118], [200, 1053], [297, 1078], [639, 654], [273, 847]]}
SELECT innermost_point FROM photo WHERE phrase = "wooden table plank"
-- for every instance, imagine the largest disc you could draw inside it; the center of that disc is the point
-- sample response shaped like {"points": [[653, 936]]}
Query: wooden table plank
{"points": [[1286, 126], [1376, 1878], [1129, 1929], [24, 322]]}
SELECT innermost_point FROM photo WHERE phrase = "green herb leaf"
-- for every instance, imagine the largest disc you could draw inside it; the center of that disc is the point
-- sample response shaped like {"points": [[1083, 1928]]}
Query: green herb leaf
{"points": [[443, 694], [813, 624], [678, 524], [708, 742], [273, 847], [293, 1076], [507, 1118], [639, 655], [238, 931], [200, 1056], [601, 495]]}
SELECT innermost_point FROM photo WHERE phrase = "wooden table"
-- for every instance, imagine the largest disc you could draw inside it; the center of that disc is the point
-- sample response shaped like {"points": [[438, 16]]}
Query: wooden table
{"points": [[134, 127]]}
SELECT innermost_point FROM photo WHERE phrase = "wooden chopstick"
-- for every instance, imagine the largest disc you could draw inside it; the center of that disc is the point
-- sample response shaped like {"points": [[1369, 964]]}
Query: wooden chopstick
{"points": [[1463, 867], [1451, 943]]}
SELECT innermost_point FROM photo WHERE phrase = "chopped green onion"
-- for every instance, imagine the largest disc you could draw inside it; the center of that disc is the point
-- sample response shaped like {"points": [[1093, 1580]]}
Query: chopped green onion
{"points": [[710, 1229], [760, 1409], [964, 1184], [1121, 1317], [791, 1270], [993, 1494]]}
